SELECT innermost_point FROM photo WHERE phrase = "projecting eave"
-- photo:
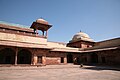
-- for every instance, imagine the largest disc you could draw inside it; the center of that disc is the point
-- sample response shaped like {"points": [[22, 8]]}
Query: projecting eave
{"points": [[102, 49], [73, 50], [23, 44], [71, 41], [40, 26]]}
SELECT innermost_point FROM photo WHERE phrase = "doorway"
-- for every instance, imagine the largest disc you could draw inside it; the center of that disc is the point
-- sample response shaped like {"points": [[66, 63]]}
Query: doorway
{"points": [[7, 56], [62, 59], [103, 59], [39, 60], [69, 58], [94, 58], [78, 60], [24, 57]]}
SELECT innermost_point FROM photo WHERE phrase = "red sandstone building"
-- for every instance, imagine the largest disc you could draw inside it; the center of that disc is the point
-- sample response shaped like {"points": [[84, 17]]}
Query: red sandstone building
{"points": [[26, 46]]}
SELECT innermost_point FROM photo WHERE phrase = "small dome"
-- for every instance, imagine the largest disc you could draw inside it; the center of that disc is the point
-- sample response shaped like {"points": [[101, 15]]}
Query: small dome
{"points": [[81, 36], [42, 21]]}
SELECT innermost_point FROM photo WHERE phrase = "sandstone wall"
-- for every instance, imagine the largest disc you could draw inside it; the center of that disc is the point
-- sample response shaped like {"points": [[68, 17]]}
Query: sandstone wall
{"points": [[22, 38], [55, 58]]}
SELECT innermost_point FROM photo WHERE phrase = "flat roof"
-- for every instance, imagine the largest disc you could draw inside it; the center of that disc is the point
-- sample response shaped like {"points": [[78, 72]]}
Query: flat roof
{"points": [[17, 27]]}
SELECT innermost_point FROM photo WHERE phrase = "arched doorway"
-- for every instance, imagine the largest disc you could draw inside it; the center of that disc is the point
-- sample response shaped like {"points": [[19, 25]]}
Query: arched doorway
{"points": [[94, 58], [77, 60], [24, 57], [103, 59], [69, 58], [7, 56]]}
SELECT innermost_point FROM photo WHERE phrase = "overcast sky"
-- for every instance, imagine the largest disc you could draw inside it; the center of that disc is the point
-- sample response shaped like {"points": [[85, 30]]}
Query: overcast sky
{"points": [[100, 19]]}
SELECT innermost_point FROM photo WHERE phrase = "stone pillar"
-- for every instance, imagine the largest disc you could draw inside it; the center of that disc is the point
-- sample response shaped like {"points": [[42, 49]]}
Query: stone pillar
{"points": [[44, 59], [65, 60], [34, 59], [36, 32], [46, 33], [16, 52], [43, 33]]}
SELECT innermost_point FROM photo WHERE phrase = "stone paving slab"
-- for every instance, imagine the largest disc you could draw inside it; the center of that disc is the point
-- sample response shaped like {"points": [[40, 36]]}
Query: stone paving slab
{"points": [[59, 72]]}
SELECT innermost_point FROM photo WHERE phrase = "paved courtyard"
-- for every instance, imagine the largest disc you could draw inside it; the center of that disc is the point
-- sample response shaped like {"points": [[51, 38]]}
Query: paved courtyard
{"points": [[59, 72]]}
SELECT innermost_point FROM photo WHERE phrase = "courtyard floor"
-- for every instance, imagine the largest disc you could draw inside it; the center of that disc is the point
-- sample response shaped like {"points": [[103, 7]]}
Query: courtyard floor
{"points": [[60, 72]]}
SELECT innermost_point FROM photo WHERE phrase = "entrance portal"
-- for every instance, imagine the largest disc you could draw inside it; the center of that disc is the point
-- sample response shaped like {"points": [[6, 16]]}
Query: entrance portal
{"points": [[69, 58], [39, 59], [103, 60], [7, 56], [62, 59], [78, 60], [24, 57], [94, 58]]}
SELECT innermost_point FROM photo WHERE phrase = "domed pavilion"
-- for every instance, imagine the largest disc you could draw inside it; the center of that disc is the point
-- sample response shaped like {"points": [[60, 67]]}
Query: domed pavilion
{"points": [[81, 40], [41, 24]]}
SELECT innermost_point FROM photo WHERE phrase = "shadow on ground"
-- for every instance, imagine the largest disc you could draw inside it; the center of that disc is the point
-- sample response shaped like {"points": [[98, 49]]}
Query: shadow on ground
{"points": [[98, 67]]}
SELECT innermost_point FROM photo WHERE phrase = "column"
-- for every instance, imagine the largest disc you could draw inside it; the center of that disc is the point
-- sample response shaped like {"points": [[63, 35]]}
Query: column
{"points": [[44, 59], [46, 33], [43, 33], [34, 59], [65, 60], [36, 32], [16, 52]]}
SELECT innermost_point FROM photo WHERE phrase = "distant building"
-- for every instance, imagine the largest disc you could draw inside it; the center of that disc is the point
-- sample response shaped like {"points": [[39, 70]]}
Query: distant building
{"points": [[27, 46]]}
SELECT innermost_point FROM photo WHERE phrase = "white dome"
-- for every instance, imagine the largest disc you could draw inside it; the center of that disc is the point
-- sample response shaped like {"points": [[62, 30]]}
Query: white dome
{"points": [[42, 21], [81, 36]]}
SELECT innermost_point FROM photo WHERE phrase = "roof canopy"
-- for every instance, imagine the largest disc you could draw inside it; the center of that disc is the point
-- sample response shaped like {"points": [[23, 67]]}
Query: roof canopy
{"points": [[41, 24]]}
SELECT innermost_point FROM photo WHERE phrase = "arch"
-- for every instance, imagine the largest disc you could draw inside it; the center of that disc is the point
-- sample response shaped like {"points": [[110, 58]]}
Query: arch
{"points": [[69, 58], [103, 59], [77, 60], [94, 58], [7, 56], [24, 57]]}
